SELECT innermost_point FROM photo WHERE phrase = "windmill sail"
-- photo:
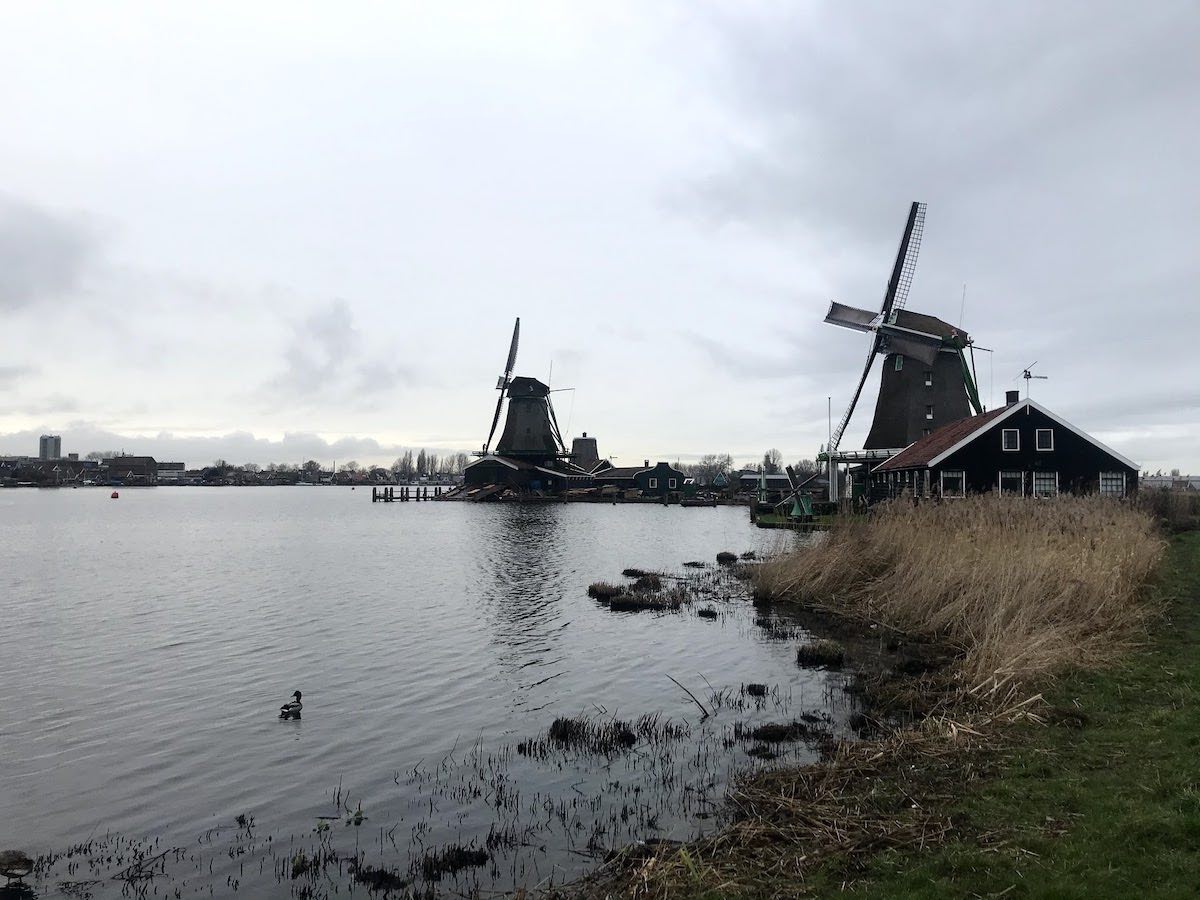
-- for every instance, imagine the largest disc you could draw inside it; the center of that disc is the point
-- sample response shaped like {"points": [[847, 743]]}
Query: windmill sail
{"points": [[504, 380]]}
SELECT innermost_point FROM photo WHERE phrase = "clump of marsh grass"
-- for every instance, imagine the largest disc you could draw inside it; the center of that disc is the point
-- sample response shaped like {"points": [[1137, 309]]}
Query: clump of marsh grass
{"points": [[669, 601], [726, 558], [603, 590], [450, 859], [822, 652], [647, 583], [1017, 588]]}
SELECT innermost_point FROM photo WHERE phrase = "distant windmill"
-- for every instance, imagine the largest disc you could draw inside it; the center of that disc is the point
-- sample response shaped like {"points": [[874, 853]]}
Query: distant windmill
{"points": [[1029, 376], [927, 381], [530, 428]]}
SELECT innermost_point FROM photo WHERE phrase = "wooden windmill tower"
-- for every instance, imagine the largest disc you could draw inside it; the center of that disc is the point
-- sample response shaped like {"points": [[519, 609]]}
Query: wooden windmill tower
{"points": [[531, 428], [530, 449], [927, 381]]}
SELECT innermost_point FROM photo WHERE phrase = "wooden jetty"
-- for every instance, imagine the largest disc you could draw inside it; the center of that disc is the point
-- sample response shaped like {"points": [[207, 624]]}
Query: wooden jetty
{"points": [[404, 493]]}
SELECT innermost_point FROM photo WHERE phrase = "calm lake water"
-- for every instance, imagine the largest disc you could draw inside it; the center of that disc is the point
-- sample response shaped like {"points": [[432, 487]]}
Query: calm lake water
{"points": [[148, 643]]}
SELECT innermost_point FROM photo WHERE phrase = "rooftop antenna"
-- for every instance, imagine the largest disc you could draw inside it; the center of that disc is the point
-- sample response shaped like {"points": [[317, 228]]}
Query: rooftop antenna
{"points": [[1029, 376]]}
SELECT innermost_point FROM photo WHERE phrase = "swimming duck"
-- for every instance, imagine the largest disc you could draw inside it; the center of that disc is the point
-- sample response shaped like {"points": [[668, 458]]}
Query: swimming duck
{"points": [[291, 709], [15, 864]]}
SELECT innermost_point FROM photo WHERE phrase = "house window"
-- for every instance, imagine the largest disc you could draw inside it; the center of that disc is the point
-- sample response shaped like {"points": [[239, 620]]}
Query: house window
{"points": [[1045, 438], [929, 411], [653, 483], [954, 483], [1010, 439], [671, 484], [899, 362], [928, 379], [1112, 484], [1012, 483], [1045, 484]]}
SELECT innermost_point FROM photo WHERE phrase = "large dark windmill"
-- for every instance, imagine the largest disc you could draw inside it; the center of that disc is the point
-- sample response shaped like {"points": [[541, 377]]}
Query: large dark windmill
{"points": [[927, 381], [530, 453]]}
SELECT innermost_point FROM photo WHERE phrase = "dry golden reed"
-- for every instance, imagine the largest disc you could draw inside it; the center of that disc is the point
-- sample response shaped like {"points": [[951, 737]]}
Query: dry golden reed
{"points": [[1020, 588]]}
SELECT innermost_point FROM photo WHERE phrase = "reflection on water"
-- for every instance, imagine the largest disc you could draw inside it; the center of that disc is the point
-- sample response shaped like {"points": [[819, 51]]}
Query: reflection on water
{"points": [[148, 645]]}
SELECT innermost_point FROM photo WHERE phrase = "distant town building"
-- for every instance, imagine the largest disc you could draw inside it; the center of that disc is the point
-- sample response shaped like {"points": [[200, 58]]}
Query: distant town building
{"points": [[50, 446], [133, 469], [171, 471]]}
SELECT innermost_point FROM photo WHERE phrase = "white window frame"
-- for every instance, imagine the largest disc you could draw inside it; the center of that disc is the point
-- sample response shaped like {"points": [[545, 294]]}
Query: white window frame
{"points": [[929, 411], [653, 483], [928, 379], [1124, 483], [1004, 433], [1034, 484], [1037, 441], [942, 483], [899, 362], [1000, 483], [671, 484]]}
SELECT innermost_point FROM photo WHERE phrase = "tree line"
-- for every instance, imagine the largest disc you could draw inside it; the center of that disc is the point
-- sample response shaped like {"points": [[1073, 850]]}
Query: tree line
{"points": [[711, 465]]}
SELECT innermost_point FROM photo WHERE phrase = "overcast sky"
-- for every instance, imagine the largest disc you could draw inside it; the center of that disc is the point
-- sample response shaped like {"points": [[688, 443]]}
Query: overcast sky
{"points": [[274, 232]]}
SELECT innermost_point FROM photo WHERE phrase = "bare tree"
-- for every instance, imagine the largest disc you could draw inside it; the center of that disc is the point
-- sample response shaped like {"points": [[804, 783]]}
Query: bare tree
{"points": [[422, 462], [772, 461]]}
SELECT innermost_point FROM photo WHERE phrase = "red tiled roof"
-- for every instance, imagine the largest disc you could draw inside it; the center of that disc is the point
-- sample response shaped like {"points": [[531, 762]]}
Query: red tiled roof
{"points": [[919, 453]]}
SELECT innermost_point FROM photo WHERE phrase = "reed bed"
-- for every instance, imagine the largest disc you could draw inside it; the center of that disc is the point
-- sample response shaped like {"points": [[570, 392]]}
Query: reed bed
{"points": [[1018, 589]]}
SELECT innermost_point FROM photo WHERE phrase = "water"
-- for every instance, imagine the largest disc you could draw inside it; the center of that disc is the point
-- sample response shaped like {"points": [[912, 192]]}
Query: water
{"points": [[148, 642]]}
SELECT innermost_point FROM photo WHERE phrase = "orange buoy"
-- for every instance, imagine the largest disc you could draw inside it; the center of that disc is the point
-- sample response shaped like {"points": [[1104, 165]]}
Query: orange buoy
{"points": [[114, 495]]}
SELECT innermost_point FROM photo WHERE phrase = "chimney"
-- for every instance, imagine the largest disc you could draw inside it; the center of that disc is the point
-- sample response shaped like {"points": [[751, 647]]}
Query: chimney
{"points": [[1012, 398], [647, 464], [585, 434]]}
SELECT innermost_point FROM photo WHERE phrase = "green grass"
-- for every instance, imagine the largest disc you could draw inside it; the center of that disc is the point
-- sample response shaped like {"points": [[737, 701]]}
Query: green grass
{"points": [[1111, 809]]}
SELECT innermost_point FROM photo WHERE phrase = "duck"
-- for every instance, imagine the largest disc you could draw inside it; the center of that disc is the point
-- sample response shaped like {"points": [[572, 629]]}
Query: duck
{"points": [[15, 864], [291, 709]]}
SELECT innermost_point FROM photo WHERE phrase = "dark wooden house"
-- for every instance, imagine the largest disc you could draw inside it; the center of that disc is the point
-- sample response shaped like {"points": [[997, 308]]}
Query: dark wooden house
{"points": [[1021, 449], [659, 480]]}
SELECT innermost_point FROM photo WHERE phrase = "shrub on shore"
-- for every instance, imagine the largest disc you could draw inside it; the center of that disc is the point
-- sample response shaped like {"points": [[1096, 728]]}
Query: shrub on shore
{"points": [[726, 558], [1018, 588], [1175, 510]]}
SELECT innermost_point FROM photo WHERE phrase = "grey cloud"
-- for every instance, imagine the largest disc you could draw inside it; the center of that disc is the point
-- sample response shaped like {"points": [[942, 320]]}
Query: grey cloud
{"points": [[43, 255], [10, 375], [326, 357]]}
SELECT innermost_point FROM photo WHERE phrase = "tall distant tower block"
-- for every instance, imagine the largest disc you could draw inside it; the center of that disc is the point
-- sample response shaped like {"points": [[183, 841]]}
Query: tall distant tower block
{"points": [[585, 452], [50, 446]]}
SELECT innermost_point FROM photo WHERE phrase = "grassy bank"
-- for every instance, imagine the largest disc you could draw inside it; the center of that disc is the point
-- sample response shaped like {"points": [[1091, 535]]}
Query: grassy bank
{"points": [[1059, 759], [1106, 806]]}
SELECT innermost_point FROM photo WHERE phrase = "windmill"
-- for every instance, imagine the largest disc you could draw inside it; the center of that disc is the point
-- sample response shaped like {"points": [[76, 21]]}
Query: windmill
{"points": [[927, 381], [531, 431]]}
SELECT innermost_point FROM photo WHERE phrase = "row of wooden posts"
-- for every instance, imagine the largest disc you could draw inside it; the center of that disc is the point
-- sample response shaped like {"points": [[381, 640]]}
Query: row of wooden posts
{"points": [[404, 493]]}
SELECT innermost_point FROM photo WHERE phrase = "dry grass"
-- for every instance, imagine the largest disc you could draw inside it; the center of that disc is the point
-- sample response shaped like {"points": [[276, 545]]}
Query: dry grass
{"points": [[1175, 510], [1018, 589], [868, 797], [821, 652]]}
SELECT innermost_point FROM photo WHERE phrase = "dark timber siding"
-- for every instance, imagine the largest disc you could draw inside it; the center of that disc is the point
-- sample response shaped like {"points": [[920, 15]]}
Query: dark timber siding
{"points": [[903, 396], [1077, 461]]}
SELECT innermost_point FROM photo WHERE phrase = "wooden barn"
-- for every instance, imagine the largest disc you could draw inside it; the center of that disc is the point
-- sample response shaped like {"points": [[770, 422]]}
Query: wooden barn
{"points": [[1022, 449], [659, 480]]}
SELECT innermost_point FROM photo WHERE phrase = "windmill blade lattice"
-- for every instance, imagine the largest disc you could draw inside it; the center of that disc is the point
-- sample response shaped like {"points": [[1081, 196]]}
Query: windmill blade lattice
{"points": [[504, 380]]}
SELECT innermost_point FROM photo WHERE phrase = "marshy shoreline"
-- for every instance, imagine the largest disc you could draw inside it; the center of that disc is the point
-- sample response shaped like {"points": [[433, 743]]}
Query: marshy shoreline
{"points": [[944, 702], [1006, 609]]}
